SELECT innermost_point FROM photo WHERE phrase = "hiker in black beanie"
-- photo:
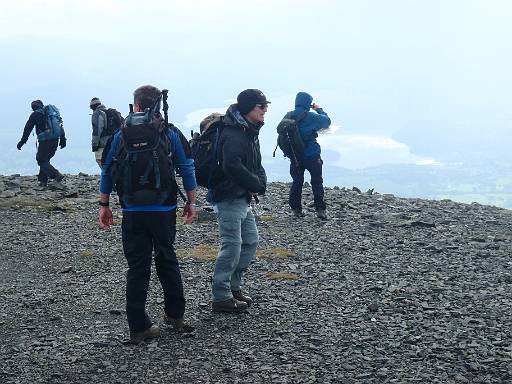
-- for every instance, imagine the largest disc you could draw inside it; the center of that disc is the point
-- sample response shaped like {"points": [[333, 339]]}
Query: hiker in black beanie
{"points": [[241, 178]]}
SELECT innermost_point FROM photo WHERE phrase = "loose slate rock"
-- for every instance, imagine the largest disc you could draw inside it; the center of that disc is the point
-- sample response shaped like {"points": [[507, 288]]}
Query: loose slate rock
{"points": [[370, 297]]}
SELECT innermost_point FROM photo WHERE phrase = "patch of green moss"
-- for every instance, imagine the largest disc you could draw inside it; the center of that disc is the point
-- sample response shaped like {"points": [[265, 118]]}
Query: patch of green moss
{"points": [[40, 204]]}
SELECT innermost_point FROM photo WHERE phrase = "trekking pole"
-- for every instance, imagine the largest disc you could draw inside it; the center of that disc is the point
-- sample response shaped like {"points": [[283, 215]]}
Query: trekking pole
{"points": [[166, 106], [291, 147], [165, 93]]}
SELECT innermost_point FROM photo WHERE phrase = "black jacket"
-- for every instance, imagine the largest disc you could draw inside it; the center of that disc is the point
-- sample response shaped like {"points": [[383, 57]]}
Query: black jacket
{"points": [[240, 159], [36, 119]]}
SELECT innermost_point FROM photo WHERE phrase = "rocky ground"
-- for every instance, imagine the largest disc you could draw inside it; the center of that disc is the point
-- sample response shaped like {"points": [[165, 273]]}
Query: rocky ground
{"points": [[387, 290]]}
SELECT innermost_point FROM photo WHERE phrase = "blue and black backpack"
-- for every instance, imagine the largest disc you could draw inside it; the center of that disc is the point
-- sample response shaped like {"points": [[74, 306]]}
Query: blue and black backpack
{"points": [[142, 169], [53, 123]]}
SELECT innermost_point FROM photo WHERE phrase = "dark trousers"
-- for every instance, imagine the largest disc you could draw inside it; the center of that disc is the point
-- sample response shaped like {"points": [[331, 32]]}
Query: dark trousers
{"points": [[314, 167], [45, 151], [143, 232]]}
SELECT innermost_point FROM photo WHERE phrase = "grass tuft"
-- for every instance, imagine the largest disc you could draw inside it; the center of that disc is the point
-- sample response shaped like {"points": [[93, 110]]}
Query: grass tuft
{"points": [[283, 276], [201, 252], [274, 253]]}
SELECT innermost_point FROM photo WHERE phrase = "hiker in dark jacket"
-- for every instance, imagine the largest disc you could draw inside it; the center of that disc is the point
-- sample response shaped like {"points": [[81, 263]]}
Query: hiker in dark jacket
{"points": [[241, 178], [99, 123], [309, 126], [150, 225], [46, 147]]}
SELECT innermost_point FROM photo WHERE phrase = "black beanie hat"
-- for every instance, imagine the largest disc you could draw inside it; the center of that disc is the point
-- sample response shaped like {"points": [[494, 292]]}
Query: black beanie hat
{"points": [[36, 104], [248, 99]]}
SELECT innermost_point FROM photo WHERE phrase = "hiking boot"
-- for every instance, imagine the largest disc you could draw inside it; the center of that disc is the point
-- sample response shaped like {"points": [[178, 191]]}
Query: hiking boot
{"points": [[139, 337], [297, 212], [178, 325], [229, 305], [321, 214], [240, 296], [43, 184], [60, 178]]}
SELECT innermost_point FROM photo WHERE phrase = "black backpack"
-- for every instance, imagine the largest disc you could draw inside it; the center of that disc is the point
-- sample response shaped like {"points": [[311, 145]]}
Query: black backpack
{"points": [[142, 168], [114, 122], [204, 149], [289, 139]]}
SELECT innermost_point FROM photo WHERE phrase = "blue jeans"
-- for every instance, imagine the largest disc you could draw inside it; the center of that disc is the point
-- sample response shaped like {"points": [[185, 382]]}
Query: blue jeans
{"points": [[238, 242]]}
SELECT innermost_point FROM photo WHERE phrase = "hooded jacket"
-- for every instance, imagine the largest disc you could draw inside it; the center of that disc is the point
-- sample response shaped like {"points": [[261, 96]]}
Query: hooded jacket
{"points": [[241, 172], [311, 124]]}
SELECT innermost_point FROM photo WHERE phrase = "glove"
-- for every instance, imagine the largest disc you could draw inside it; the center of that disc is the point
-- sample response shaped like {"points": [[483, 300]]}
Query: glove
{"points": [[19, 145], [62, 142]]}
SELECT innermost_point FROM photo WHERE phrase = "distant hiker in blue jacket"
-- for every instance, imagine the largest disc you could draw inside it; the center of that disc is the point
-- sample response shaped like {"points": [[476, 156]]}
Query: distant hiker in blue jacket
{"points": [[310, 159], [48, 141]]}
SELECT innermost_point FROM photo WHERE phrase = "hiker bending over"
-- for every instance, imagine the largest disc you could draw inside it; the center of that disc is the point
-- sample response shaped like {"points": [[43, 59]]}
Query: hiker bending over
{"points": [[141, 166], [240, 177], [309, 124], [50, 134]]}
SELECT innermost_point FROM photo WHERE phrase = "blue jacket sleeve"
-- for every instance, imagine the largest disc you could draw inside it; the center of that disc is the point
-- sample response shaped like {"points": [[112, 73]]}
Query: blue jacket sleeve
{"points": [[106, 177], [184, 165], [321, 119]]}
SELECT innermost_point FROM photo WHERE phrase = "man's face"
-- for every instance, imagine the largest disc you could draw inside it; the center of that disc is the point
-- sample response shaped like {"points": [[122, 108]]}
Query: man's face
{"points": [[257, 114]]}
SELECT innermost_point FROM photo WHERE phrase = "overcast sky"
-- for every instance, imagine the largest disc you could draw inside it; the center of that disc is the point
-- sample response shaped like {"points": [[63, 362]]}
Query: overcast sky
{"points": [[419, 82]]}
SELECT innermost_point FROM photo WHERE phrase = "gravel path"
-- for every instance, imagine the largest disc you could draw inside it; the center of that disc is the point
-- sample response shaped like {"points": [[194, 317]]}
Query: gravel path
{"points": [[387, 290]]}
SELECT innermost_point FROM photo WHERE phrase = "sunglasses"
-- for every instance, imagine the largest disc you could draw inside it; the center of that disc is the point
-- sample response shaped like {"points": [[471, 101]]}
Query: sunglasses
{"points": [[262, 106]]}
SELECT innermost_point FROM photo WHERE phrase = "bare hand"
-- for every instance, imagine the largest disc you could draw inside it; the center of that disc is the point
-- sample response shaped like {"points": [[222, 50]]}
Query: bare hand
{"points": [[315, 106], [106, 219], [189, 213]]}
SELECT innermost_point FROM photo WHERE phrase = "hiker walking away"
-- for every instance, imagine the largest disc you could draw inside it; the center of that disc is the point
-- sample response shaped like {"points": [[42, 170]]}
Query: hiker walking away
{"points": [[140, 164], [105, 123], [50, 134], [240, 178], [309, 124]]}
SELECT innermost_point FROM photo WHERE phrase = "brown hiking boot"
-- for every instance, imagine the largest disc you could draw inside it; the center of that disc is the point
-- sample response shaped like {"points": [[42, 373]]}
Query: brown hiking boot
{"points": [[240, 296], [178, 325], [320, 213], [139, 337], [229, 305]]}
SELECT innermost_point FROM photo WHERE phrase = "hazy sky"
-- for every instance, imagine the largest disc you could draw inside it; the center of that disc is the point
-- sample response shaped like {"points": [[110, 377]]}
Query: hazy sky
{"points": [[420, 82]]}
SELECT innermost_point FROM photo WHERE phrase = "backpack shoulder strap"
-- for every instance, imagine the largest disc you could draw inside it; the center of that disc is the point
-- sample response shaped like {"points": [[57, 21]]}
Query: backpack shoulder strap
{"points": [[301, 117]]}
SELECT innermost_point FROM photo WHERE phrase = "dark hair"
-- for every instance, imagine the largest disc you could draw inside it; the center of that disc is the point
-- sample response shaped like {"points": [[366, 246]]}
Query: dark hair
{"points": [[36, 104], [146, 96]]}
